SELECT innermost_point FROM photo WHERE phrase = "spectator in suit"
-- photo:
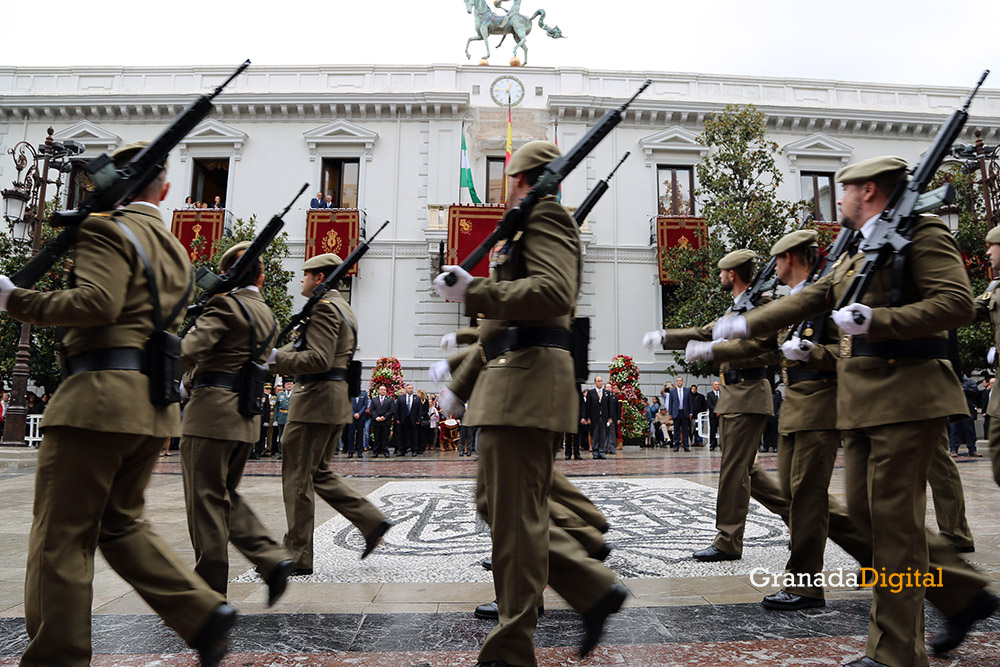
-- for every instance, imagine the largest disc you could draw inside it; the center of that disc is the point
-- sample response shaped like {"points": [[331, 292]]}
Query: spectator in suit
{"points": [[712, 400], [266, 424], [679, 407], [408, 415], [615, 438], [599, 415], [218, 202], [328, 202], [382, 409], [317, 201], [964, 430], [699, 404], [357, 430]]}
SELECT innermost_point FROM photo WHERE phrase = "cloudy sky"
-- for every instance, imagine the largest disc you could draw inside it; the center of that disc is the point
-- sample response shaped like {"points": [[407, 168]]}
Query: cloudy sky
{"points": [[890, 41]]}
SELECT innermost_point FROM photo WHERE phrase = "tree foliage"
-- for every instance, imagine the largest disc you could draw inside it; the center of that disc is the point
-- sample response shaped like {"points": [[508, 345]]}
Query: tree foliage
{"points": [[737, 186]]}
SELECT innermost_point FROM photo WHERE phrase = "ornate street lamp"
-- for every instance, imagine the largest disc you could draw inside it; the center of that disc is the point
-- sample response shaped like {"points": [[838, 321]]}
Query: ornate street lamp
{"points": [[24, 211]]}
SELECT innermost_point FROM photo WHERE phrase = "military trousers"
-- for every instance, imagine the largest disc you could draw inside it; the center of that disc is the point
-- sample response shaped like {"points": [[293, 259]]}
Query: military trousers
{"points": [[307, 450], [514, 481], [739, 436], [217, 514], [89, 489], [994, 437], [886, 476], [948, 496]]}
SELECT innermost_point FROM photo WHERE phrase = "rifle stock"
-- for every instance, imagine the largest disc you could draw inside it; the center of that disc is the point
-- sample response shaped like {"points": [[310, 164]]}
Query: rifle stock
{"points": [[329, 283]]}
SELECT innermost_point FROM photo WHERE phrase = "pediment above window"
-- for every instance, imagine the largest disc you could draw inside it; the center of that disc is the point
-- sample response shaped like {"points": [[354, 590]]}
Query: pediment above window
{"points": [[818, 147], [341, 134], [94, 137], [675, 140], [214, 133]]}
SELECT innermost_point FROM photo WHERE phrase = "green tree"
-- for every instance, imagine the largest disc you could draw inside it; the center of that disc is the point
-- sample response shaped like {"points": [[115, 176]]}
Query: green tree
{"points": [[276, 277], [737, 184]]}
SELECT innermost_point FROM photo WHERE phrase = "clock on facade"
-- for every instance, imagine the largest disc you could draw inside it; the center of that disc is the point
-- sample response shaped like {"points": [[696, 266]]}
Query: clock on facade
{"points": [[507, 87]]}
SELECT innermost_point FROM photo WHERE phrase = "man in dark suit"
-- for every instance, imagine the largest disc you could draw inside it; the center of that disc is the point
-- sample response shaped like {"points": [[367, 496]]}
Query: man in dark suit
{"points": [[712, 400], [573, 440], [317, 201], [382, 410], [357, 430], [699, 404], [599, 414], [408, 412], [679, 407]]}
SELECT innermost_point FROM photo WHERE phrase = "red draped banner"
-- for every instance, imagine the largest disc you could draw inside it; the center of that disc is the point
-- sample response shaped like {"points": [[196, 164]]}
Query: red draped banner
{"points": [[206, 224], [673, 231], [336, 230], [468, 226]]}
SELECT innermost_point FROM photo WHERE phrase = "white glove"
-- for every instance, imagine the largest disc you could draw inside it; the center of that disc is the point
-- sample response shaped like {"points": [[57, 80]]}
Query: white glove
{"points": [[699, 350], [844, 318], [271, 357], [654, 339], [449, 403], [991, 356], [184, 392], [457, 291], [731, 326], [439, 371], [797, 349], [6, 289], [449, 341]]}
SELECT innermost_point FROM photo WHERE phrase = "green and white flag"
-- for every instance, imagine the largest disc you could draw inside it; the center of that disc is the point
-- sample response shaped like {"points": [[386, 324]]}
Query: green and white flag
{"points": [[465, 177]]}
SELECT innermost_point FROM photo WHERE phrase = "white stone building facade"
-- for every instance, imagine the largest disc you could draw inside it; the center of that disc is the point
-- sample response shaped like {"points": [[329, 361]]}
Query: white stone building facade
{"points": [[275, 126]]}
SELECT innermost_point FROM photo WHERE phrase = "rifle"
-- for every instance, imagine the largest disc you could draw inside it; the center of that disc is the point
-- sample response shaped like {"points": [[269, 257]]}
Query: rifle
{"points": [[329, 283], [585, 207], [116, 187], [891, 235], [241, 268], [547, 184]]}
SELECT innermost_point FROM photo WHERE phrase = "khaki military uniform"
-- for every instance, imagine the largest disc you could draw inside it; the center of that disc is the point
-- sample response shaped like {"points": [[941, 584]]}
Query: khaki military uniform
{"points": [[534, 285], [948, 496], [316, 417], [743, 408], [888, 441], [101, 442], [217, 440], [988, 308]]}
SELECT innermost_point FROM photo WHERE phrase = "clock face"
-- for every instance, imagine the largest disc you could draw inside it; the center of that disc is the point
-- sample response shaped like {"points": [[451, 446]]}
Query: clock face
{"points": [[505, 86]]}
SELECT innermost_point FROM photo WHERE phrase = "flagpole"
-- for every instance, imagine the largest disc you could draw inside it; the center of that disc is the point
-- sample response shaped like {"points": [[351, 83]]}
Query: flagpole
{"points": [[462, 137]]}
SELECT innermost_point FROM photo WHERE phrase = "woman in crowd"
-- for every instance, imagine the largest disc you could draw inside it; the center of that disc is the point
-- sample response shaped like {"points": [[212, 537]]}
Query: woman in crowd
{"points": [[433, 416], [651, 412]]}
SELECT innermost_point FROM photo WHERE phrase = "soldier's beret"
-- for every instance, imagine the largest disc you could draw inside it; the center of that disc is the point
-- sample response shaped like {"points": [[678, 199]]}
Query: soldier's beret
{"points": [[736, 258], [125, 153], [532, 154], [230, 255], [324, 261], [868, 169], [797, 238], [993, 236]]}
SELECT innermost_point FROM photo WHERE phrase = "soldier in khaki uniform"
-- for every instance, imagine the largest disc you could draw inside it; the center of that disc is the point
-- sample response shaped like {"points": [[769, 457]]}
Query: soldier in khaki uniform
{"points": [[948, 496], [96, 458], [527, 305], [745, 403], [318, 359], [888, 442], [988, 308], [217, 438]]}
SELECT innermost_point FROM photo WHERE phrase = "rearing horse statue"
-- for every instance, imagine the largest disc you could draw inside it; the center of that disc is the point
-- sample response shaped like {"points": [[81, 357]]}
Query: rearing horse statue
{"points": [[489, 23]]}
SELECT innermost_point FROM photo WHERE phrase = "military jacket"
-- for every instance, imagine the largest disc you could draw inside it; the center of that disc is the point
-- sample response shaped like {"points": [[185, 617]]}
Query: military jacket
{"points": [[328, 344], [281, 405], [810, 405], [748, 396], [988, 308], [534, 284], [936, 296], [220, 342], [109, 306]]}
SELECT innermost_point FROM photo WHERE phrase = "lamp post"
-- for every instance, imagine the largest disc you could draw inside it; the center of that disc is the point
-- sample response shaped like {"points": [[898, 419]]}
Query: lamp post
{"points": [[989, 170], [24, 211]]}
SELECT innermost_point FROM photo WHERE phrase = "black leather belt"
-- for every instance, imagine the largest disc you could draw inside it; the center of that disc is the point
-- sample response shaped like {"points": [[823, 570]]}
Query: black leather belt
{"points": [[794, 375], [216, 379], [916, 348], [515, 338], [108, 359], [735, 377], [332, 375]]}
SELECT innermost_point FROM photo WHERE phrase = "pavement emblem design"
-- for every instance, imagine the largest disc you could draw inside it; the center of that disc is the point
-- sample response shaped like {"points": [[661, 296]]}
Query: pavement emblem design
{"points": [[655, 525]]}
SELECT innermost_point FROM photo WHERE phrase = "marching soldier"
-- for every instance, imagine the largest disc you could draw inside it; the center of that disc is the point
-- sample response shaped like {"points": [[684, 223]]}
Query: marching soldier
{"points": [[745, 403], [233, 329], [886, 345], [527, 305], [131, 279], [318, 359]]}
